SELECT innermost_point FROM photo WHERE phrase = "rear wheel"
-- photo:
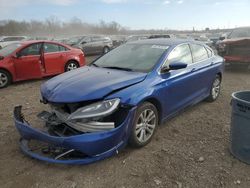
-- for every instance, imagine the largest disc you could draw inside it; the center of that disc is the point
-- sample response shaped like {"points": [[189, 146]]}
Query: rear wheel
{"points": [[106, 49], [215, 90], [5, 78], [144, 125], [71, 65]]}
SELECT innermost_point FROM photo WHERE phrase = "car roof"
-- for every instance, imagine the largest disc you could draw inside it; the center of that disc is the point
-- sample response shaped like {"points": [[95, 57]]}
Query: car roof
{"points": [[167, 42]]}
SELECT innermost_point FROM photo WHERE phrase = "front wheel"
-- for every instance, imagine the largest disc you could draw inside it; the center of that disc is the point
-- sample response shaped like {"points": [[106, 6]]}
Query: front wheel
{"points": [[215, 90], [5, 79], [144, 125], [71, 65], [106, 49]]}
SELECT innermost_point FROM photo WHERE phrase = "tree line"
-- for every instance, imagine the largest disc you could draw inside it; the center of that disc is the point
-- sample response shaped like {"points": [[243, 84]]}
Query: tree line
{"points": [[53, 27]]}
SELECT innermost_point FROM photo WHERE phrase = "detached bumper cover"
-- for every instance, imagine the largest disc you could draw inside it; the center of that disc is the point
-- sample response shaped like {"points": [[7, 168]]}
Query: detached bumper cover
{"points": [[96, 146]]}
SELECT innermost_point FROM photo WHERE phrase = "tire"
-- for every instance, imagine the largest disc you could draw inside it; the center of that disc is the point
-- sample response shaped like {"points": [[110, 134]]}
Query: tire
{"points": [[215, 89], [106, 49], [71, 65], [5, 78], [143, 130]]}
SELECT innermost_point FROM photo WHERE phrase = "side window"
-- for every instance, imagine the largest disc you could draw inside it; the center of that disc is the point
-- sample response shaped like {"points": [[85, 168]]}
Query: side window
{"points": [[180, 54], [86, 40], [62, 48], [33, 49], [199, 52], [49, 48], [210, 52], [19, 38], [96, 39]]}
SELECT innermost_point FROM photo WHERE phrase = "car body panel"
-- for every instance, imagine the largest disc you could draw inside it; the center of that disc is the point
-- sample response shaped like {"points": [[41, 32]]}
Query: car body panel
{"points": [[38, 66], [169, 91], [96, 146], [237, 50], [105, 82]]}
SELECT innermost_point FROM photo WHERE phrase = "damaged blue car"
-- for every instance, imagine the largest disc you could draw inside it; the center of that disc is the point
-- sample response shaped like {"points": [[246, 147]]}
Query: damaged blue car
{"points": [[118, 99]]}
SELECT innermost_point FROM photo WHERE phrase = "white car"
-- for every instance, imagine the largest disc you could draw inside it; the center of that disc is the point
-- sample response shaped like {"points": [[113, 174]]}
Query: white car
{"points": [[6, 40]]}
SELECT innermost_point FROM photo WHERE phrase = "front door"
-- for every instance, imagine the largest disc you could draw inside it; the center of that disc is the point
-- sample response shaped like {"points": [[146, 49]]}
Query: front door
{"points": [[178, 86], [28, 63]]}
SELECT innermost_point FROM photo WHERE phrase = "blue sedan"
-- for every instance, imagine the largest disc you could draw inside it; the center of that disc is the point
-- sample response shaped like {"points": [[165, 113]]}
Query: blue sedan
{"points": [[120, 98]]}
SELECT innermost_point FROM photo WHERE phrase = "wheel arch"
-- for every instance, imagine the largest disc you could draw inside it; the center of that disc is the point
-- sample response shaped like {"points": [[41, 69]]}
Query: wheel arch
{"points": [[157, 104], [220, 75], [6, 70], [75, 60]]}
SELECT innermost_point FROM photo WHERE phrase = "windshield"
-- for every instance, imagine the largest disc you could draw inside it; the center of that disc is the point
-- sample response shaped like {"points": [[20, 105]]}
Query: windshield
{"points": [[9, 49], [240, 33], [134, 57]]}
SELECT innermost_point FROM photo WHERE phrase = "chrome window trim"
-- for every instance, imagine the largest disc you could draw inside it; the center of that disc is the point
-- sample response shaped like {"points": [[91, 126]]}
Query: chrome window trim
{"points": [[193, 63]]}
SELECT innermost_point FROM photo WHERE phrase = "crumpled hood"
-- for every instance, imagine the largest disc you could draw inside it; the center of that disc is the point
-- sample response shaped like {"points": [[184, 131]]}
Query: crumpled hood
{"points": [[88, 83]]}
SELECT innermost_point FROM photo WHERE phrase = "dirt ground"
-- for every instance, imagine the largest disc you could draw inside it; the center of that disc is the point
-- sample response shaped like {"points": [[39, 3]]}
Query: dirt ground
{"points": [[188, 151]]}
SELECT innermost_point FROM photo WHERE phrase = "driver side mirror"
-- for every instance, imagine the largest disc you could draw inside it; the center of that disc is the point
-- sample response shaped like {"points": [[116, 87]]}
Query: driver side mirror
{"points": [[17, 55], [83, 42], [174, 66]]}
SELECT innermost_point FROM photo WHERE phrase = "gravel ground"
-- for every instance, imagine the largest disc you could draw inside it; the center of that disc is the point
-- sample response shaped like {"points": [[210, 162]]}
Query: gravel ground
{"points": [[190, 150]]}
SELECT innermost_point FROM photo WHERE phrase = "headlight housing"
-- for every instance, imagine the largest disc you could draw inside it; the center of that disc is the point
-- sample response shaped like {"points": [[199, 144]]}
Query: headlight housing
{"points": [[99, 109]]}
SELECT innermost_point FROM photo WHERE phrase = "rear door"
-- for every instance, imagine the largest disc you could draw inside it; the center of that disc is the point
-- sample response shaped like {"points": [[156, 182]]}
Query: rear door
{"points": [[98, 44], [86, 45], [54, 56], [28, 63], [202, 69]]}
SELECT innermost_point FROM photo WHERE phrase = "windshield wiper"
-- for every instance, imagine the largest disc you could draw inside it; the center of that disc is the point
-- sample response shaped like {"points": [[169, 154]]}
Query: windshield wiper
{"points": [[119, 68]]}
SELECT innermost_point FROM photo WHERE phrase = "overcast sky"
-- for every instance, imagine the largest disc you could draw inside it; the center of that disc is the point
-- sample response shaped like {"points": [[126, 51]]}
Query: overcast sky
{"points": [[136, 14]]}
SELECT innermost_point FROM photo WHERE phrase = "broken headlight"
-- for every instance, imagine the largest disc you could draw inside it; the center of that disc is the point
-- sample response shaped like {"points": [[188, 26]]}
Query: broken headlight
{"points": [[99, 109]]}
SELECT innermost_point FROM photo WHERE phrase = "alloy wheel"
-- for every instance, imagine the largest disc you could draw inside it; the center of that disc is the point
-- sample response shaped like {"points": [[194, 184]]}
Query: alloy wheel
{"points": [[3, 79], [216, 88], [71, 66], [106, 50], [145, 125]]}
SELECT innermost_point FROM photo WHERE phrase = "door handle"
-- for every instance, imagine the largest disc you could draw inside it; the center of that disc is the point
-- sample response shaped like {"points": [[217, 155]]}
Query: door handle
{"points": [[212, 63], [193, 69]]}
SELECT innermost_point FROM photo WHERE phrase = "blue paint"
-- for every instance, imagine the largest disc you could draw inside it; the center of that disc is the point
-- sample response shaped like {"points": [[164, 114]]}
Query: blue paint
{"points": [[171, 91]]}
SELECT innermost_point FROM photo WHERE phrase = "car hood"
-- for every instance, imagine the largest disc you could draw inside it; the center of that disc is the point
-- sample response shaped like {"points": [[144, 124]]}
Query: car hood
{"points": [[88, 83], [237, 41]]}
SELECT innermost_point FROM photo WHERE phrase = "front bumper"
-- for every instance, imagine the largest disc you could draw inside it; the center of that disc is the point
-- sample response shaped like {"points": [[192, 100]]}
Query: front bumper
{"points": [[95, 146]]}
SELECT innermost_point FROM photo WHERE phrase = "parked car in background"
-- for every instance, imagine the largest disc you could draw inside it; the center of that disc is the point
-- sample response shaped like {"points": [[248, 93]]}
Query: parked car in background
{"points": [[6, 40], [157, 36], [92, 44], [120, 98], [236, 48], [117, 40], [132, 38], [203, 38], [36, 59]]}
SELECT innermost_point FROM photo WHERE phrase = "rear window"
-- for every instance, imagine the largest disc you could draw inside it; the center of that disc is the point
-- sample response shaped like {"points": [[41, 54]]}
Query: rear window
{"points": [[199, 52], [49, 48]]}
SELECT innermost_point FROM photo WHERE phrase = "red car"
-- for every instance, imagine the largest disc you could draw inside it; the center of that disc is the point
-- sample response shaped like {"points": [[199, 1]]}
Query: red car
{"points": [[36, 59]]}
